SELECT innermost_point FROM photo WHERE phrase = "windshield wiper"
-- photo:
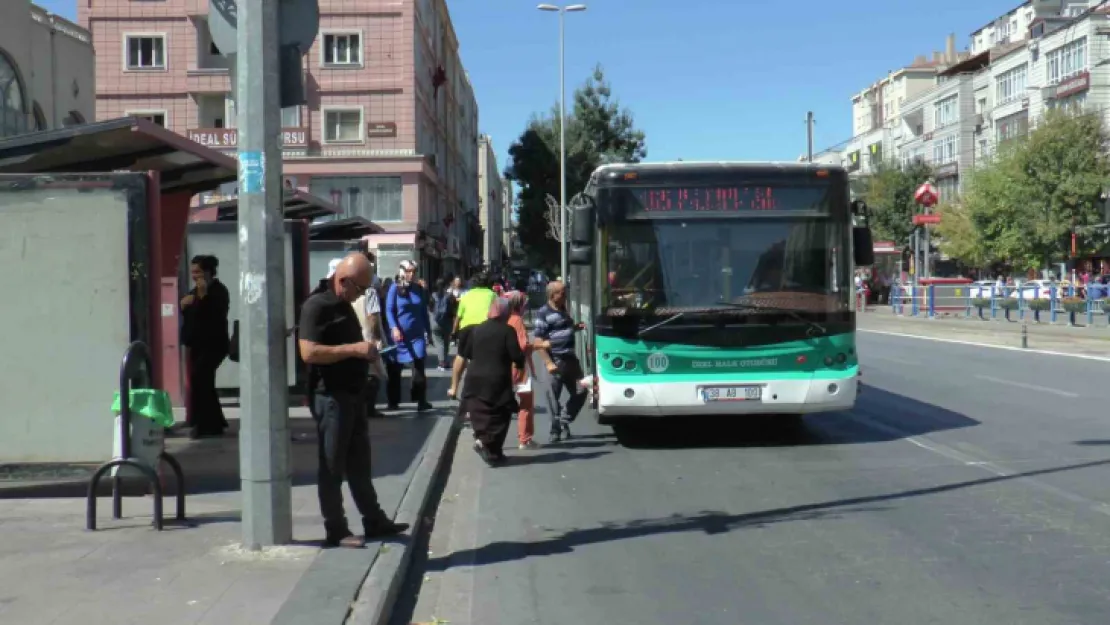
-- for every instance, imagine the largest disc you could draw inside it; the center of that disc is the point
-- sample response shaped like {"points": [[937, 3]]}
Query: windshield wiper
{"points": [[793, 314], [664, 322]]}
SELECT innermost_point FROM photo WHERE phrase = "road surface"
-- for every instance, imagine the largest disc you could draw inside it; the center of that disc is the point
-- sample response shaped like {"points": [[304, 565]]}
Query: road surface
{"points": [[970, 485]]}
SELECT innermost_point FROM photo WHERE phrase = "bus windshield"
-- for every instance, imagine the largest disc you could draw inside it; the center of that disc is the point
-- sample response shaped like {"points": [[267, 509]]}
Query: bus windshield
{"points": [[672, 265]]}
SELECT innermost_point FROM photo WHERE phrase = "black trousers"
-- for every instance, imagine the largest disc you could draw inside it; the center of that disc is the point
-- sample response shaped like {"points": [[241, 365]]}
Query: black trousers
{"points": [[490, 423], [205, 412], [419, 382], [344, 452], [566, 376]]}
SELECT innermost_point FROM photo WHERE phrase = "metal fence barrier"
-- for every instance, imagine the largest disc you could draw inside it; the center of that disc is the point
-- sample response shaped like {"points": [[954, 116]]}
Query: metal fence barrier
{"points": [[967, 300]]}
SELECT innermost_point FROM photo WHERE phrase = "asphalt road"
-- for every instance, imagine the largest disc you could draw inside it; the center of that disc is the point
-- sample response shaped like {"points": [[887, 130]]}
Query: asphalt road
{"points": [[969, 486]]}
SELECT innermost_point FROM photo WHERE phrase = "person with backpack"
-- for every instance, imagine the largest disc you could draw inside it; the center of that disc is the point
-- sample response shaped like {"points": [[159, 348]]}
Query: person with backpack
{"points": [[443, 316]]}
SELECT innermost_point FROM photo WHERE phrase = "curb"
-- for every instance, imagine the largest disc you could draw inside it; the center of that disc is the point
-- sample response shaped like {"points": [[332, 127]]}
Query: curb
{"points": [[377, 596]]}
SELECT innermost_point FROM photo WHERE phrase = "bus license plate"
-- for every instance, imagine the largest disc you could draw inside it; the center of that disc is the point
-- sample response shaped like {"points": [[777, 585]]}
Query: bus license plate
{"points": [[711, 394]]}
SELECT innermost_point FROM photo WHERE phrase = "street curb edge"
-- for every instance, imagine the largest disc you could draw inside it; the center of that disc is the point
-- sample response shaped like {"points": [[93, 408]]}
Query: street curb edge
{"points": [[377, 596]]}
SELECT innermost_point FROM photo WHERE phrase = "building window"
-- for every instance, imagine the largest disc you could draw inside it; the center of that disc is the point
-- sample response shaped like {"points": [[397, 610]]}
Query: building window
{"points": [[343, 125], [342, 49], [1074, 103], [1012, 84], [1012, 127], [377, 198], [145, 52], [1066, 61], [13, 119], [291, 117], [946, 112], [944, 150], [158, 117]]}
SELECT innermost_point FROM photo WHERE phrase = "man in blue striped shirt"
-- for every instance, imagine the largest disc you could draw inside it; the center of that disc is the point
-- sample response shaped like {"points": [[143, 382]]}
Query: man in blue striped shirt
{"points": [[554, 332]]}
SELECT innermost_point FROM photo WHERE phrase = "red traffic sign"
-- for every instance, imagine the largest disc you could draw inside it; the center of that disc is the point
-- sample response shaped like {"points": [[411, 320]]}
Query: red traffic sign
{"points": [[926, 195], [922, 220]]}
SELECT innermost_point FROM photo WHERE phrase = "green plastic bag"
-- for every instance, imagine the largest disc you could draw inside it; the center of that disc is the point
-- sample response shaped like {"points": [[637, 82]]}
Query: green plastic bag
{"points": [[151, 403]]}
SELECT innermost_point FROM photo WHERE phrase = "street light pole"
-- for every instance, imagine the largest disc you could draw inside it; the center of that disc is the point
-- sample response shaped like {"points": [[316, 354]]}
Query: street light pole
{"points": [[562, 11]]}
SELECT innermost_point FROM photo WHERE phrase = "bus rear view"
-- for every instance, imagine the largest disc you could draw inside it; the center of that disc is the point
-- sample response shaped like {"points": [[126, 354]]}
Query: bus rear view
{"points": [[721, 288]]}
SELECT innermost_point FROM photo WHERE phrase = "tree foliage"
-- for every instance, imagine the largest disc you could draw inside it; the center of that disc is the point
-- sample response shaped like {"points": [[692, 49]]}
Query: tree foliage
{"points": [[1027, 200], [598, 131], [889, 194]]}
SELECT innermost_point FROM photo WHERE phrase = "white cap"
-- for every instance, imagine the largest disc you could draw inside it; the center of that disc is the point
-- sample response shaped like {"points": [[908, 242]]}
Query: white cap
{"points": [[333, 265]]}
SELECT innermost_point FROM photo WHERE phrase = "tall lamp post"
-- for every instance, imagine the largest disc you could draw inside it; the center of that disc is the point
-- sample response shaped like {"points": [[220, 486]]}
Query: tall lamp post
{"points": [[562, 11]]}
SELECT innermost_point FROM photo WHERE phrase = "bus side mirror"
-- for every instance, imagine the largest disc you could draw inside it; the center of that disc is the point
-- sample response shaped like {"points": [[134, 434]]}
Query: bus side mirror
{"points": [[580, 255], [862, 247], [582, 225]]}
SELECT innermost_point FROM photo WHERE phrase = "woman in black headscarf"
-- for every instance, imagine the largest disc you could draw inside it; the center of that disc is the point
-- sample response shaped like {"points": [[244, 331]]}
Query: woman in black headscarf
{"points": [[205, 335], [489, 395]]}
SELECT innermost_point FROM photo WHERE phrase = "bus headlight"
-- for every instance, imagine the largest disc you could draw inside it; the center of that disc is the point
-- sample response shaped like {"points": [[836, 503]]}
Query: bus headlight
{"points": [[841, 358], [617, 362]]}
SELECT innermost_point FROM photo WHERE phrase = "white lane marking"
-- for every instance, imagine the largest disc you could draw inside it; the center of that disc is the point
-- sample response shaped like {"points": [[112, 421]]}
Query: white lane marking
{"points": [[1043, 352], [990, 467], [1029, 387]]}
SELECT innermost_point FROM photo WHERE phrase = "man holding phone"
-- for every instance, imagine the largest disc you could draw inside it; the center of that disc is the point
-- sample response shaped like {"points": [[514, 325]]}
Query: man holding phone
{"points": [[331, 343]]}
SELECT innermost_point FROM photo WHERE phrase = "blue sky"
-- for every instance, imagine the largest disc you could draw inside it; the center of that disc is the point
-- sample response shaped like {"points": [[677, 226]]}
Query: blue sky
{"points": [[706, 79]]}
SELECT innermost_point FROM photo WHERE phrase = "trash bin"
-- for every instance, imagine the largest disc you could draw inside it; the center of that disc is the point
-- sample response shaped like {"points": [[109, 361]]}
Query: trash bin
{"points": [[151, 413]]}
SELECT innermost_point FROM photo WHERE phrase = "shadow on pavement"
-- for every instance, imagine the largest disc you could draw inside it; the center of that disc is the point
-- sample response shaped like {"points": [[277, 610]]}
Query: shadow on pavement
{"points": [[879, 416], [551, 458], [710, 522]]}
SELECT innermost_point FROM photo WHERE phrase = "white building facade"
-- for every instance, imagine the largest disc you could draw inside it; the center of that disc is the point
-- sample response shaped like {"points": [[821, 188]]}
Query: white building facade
{"points": [[492, 203], [1042, 54], [46, 70]]}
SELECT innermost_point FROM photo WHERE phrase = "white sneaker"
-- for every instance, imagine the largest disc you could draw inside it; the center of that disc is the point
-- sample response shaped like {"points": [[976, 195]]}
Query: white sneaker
{"points": [[529, 445]]}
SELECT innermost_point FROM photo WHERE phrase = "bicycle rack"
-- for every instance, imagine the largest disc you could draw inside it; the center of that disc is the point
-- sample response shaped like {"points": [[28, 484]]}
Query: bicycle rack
{"points": [[136, 366]]}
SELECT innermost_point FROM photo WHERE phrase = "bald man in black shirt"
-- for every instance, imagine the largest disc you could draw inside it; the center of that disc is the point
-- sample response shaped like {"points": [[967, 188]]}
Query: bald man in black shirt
{"points": [[339, 360]]}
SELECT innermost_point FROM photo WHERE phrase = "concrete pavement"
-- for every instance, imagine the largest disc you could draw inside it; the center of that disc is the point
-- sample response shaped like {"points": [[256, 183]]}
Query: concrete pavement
{"points": [[54, 572], [968, 486]]}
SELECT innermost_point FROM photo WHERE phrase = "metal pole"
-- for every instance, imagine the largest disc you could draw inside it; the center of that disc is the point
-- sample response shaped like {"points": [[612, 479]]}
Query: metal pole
{"points": [[927, 256], [809, 136], [562, 154], [264, 429]]}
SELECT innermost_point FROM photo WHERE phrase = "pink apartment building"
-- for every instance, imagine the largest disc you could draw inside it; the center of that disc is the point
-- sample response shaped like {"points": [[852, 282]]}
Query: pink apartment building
{"points": [[389, 133]]}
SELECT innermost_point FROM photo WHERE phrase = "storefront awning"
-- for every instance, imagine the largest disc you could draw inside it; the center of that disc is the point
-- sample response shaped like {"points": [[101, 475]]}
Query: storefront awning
{"points": [[298, 205], [123, 144]]}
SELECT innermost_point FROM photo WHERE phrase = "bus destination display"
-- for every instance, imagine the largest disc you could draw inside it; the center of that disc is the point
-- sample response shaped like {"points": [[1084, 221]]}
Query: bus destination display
{"points": [[737, 199]]}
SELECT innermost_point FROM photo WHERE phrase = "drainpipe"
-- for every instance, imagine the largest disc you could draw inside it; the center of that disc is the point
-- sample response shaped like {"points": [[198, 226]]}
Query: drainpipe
{"points": [[53, 73]]}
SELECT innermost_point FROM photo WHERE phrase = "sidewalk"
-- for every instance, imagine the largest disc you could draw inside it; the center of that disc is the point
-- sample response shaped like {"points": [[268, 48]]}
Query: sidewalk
{"points": [[54, 572], [1091, 341]]}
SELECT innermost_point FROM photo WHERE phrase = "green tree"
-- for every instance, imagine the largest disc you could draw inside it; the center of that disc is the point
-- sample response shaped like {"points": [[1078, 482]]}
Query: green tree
{"points": [[1036, 191], [960, 237], [889, 192], [599, 131]]}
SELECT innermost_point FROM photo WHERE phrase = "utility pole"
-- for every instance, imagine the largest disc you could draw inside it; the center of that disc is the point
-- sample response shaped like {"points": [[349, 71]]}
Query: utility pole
{"points": [[809, 137], [264, 436]]}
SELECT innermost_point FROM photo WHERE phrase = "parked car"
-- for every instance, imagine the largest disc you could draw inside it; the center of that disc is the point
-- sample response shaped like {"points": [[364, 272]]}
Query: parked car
{"points": [[1041, 289]]}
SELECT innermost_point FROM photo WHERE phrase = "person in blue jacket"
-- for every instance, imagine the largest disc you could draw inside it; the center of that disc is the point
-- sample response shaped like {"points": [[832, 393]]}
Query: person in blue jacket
{"points": [[410, 327]]}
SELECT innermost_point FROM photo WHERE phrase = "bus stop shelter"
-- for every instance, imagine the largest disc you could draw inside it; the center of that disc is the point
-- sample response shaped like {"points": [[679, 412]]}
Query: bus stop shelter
{"points": [[213, 230], [174, 169]]}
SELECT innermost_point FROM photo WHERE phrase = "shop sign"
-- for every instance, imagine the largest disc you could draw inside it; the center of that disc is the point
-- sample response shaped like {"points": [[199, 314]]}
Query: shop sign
{"points": [[228, 138]]}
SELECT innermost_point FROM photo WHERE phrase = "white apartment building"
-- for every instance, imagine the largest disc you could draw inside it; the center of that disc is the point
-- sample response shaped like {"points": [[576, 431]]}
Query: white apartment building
{"points": [[877, 128], [492, 203], [46, 70], [1044, 53]]}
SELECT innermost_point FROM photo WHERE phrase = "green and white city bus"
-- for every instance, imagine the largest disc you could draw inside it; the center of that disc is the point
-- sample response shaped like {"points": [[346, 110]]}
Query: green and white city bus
{"points": [[718, 288]]}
